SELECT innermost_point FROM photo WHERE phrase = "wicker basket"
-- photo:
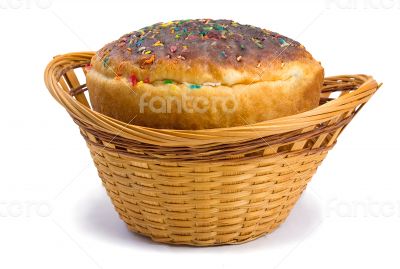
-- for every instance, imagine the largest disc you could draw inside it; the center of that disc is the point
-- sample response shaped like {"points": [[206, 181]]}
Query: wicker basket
{"points": [[214, 186]]}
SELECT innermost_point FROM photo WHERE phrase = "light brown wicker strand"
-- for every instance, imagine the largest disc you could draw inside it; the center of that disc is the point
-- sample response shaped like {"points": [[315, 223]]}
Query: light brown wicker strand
{"points": [[207, 187]]}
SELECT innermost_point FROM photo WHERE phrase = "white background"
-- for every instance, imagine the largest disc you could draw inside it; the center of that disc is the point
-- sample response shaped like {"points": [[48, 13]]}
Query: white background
{"points": [[54, 212]]}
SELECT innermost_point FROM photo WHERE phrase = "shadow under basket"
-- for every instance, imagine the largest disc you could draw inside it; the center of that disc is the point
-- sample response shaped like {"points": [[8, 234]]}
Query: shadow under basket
{"points": [[213, 186]]}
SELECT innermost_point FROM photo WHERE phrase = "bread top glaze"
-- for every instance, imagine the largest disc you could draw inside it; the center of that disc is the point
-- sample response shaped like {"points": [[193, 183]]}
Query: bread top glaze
{"points": [[201, 52]]}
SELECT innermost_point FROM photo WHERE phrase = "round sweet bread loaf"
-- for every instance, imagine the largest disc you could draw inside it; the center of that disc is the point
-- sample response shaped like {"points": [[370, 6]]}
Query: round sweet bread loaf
{"points": [[199, 74]]}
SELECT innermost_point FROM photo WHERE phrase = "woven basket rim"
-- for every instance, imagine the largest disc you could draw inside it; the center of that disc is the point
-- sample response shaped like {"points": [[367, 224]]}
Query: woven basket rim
{"points": [[172, 137]]}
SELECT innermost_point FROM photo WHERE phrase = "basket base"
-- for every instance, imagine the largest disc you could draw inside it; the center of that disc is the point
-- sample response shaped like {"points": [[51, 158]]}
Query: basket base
{"points": [[210, 235], [204, 243]]}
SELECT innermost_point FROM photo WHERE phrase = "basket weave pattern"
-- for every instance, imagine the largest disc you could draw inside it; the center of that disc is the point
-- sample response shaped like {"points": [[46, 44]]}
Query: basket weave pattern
{"points": [[207, 187]]}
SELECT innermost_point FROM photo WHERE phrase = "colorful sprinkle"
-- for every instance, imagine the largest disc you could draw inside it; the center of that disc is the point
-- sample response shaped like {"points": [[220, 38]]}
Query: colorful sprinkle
{"points": [[223, 34], [158, 44], [239, 58], [282, 42], [181, 57], [168, 81], [191, 37], [194, 86], [146, 80], [141, 49], [133, 80], [257, 42], [212, 84], [150, 60], [106, 61], [223, 54], [219, 27], [167, 24], [173, 49], [147, 52], [139, 43]]}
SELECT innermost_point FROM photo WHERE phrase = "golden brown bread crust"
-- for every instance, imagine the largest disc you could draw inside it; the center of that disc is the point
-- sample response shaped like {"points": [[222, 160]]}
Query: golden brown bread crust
{"points": [[200, 74]]}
